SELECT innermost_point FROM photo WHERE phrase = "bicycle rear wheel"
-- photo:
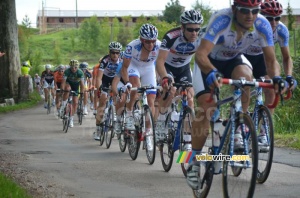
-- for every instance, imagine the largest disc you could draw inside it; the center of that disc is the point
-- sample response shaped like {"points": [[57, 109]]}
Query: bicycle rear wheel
{"points": [[109, 126], [122, 137], [166, 146], [150, 134], [265, 152], [239, 177]]}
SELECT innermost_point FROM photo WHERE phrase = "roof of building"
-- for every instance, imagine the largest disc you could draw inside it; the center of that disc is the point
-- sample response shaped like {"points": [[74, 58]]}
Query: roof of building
{"points": [[99, 13]]}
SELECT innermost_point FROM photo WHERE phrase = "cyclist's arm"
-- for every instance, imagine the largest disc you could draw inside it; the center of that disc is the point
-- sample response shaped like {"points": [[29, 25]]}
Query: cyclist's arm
{"points": [[272, 65], [82, 84], [99, 78], [124, 72], [160, 63], [201, 56], [287, 61]]}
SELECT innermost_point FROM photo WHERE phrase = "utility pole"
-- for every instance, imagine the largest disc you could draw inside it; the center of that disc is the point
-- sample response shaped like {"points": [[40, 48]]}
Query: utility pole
{"points": [[76, 20]]}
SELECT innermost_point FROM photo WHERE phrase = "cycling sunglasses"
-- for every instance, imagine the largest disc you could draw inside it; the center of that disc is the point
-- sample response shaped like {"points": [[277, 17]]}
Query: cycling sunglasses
{"points": [[193, 29], [112, 52], [271, 18], [244, 10], [149, 41]]}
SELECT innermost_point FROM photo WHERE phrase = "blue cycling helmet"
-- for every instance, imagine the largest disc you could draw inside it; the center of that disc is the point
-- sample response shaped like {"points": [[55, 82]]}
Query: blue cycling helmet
{"points": [[83, 65], [148, 32]]}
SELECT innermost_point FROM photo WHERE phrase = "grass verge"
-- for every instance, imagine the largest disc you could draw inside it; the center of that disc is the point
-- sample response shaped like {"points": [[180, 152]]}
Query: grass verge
{"points": [[11, 189], [34, 99], [287, 140], [8, 187]]}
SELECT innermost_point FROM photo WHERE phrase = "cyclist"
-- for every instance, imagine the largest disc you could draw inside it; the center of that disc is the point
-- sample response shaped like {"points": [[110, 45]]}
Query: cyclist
{"points": [[58, 78], [173, 62], [87, 82], [139, 68], [109, 66], [272, 10], [37, 81], [228, 34], [94, 77], [73, 78], [47, 79]]}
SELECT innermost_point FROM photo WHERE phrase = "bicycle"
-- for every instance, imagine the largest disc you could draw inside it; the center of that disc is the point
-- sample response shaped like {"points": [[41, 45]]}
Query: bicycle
{"points": [[263, 123], [143, 120], [223, 144], [68, 111], [49, 100], [175, 123], [80, 109], [107, 129]]}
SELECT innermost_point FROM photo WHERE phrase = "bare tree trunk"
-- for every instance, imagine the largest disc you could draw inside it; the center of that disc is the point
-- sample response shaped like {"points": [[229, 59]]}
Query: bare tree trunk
{"points": [[10, 62]]}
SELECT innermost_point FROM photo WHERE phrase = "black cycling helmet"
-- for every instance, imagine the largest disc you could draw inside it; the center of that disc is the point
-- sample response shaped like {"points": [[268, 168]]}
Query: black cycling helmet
{"points": [[115, 46], [191, 16], [83, 65]]}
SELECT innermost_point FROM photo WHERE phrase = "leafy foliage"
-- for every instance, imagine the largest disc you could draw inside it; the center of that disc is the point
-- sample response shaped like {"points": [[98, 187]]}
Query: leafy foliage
{"points": [[172, 12]]}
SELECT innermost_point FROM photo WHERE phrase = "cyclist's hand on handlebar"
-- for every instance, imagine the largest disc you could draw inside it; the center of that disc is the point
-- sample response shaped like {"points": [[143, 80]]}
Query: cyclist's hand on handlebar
{"points": [[280, 85], [128, 85], [166, 82], [213, 79], [292, 82]]}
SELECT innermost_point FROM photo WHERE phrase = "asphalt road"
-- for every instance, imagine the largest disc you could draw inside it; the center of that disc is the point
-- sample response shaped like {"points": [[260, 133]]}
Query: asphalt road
{"points": [[79, 167]]}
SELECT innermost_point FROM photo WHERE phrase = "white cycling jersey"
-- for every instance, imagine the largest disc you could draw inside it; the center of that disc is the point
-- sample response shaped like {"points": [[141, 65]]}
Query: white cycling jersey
{"points": [[221, 31], [143, 69], [180, 50], [280, 36]]}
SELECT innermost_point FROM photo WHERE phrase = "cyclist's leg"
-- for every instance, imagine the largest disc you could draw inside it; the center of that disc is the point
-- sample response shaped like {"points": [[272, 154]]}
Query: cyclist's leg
{"points": [[85, 99], [134, 78], [46, 93]]}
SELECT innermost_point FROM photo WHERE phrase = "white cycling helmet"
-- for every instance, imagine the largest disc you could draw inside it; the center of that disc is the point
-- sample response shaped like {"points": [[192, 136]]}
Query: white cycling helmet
{"points": [[47, 66], [148, 32], [115, 46], [191, 16]]}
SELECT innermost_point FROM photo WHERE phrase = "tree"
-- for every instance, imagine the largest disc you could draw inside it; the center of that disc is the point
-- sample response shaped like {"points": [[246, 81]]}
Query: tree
{"points": [[172, 12], [10, 63], [206, 10], [291, 17]]}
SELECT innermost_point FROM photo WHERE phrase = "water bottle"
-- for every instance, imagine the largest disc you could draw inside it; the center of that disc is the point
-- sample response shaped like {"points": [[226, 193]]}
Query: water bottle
{"points": [[137, 114], [217, 164]]}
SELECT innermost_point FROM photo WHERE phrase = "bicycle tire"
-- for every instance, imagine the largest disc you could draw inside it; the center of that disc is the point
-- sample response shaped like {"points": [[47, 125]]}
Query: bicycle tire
{"points": [[148, 117], [205, 179], [133, 144], [49, 103], [230, 182], [265, 161], [102, 134], [188, 111], [110, 123], [67, 118], [166, 147], [80, 111], [122, 137]]}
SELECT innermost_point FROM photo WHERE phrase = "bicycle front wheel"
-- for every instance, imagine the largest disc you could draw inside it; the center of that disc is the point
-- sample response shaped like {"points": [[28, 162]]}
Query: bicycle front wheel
{"points": [[110, 123], [166, 146], [239, 175], [80, 111], [66, 118], [186, 124], [150, 134], [49, 104], [265, 147], [122, 137]]}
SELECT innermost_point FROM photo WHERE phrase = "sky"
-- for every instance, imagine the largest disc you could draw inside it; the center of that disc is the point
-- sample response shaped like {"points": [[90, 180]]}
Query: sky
{"points": [[31, 7]]}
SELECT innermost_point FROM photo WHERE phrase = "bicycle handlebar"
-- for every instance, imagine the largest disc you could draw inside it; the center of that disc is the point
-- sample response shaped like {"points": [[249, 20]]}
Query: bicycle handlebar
{"points": [[178, 85], [254, 83]]}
